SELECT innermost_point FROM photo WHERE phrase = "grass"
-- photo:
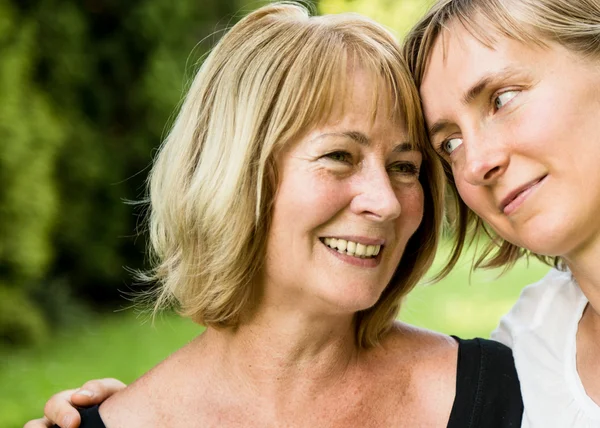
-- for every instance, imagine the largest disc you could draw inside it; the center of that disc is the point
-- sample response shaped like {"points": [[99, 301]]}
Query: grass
{"points": [[121, 345], [469, 304], [117, 345]]}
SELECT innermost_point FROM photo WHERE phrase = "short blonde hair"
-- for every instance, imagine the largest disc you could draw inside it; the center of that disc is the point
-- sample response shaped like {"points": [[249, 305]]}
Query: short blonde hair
{"points": [[272, 77], [574, 24]]}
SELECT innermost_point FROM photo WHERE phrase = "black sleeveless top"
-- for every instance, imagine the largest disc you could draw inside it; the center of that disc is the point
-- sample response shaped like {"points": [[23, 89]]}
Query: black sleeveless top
{"points": [[487, 389]]}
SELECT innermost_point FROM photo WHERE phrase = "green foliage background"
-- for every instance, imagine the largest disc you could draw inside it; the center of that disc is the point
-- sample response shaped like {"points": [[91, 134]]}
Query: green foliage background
{"points": [[87, 88], [398, 15]]}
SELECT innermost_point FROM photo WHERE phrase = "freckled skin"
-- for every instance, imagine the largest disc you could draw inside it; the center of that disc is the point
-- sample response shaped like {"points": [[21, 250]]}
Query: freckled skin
{"points": [[360, 194], [407, 382]]}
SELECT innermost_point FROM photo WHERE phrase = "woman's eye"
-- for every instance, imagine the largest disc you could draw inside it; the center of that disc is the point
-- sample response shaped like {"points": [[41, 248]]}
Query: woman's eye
{"points": [[405, 168], [451, 144], [340, 156], [504, 98]]}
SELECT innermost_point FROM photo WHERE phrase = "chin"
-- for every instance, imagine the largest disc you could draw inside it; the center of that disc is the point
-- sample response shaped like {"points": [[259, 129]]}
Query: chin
{"points": [[547, 239], [350, 301]]}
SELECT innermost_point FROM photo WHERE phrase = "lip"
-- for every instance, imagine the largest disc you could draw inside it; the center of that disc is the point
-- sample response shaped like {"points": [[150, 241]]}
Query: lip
{"points": [[516, 197]]}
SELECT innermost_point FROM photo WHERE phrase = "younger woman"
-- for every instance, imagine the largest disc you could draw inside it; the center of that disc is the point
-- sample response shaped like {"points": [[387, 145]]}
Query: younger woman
{"points": [[511, 97]]}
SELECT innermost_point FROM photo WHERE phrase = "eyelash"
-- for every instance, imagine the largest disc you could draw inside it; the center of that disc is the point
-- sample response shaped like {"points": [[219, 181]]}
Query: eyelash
{"points": [[347, 156], [410, 168], [497, 96], [441, 151]]}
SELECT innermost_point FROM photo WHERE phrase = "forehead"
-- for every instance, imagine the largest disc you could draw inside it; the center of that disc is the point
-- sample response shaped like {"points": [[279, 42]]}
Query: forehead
{"points": [[358, 116], [459, 61], [375, 92], [367, 101]]}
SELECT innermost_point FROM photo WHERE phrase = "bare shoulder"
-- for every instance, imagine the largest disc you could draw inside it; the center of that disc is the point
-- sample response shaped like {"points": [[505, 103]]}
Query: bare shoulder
{"points": [[149, 400], [424, 346], [431, 359]]}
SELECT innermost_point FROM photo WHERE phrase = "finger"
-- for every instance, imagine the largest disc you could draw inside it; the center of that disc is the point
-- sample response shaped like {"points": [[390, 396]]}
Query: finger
{"points": [[38, 423], [60, 411], [96, 391]]}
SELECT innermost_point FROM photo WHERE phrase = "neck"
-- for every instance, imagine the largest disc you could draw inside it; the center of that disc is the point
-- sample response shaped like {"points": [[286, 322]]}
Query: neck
{"points": [[585, 268], [284, 351]]}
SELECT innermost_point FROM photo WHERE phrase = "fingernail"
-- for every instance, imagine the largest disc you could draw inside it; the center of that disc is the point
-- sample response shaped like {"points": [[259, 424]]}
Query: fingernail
{"points": [[85, 392], [66, 423]]}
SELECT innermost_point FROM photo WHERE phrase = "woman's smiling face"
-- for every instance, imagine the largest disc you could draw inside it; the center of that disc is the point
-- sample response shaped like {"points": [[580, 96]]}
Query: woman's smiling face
{"points": [[348, 200], [520, 126]]}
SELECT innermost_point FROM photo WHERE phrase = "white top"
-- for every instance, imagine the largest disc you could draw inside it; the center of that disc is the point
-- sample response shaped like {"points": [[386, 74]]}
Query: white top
{"points": [[541, 329]]}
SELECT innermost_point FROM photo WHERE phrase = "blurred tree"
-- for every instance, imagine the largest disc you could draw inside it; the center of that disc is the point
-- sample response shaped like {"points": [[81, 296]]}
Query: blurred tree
{"points": [[87, 88], [30, 139], [115, 71], [398, 15]]}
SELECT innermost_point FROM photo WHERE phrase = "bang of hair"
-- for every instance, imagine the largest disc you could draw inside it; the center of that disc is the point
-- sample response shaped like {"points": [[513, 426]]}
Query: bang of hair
{"points": [[324, 76], [479, 18]]}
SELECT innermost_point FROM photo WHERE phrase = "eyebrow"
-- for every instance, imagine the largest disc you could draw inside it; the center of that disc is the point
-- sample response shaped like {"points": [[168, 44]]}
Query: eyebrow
{"points": [[405, 147], [475, 90], [363, 140], [439, 126], [472, 94]]}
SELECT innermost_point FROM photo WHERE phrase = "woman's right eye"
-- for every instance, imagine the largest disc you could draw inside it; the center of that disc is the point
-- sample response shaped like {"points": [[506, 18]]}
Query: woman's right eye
{"points": [[450, 145]]}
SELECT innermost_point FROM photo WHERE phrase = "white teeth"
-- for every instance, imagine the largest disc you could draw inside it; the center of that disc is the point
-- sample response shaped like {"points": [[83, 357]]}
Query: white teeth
{"points": [[352, 248], [361, 250]]}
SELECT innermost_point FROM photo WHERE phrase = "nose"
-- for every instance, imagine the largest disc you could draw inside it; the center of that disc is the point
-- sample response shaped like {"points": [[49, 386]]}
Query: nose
{"points": [[375, 197], [484, 162]]}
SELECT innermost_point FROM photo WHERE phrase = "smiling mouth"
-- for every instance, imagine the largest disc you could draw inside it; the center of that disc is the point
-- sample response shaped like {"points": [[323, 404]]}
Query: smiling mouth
{"points": [[351, 248], [516, 198]]}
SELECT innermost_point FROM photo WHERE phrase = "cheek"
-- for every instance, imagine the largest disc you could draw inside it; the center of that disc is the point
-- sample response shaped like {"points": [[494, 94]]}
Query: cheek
{"points": [[464, 190], [324, 198], [471, 195], [412, 205], [310, 200], [533, 132], [551, 118]]}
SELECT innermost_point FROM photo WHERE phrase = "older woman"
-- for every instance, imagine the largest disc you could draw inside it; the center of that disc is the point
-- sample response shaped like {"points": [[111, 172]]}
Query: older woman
{"points": [[293, 205], [511, 95]]}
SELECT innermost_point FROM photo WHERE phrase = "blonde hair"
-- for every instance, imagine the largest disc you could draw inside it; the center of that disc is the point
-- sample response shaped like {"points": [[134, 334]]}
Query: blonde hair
{"points": [[574, 24], [271, 78]]}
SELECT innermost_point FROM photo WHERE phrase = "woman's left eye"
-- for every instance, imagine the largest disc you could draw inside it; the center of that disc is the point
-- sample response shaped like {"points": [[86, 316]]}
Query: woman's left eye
{"points": [[405, 168], [504, 98], [339, 156]]}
